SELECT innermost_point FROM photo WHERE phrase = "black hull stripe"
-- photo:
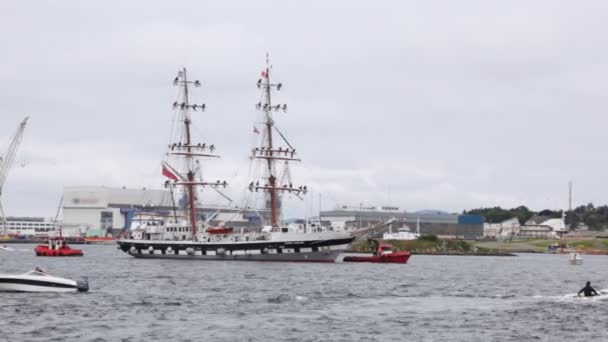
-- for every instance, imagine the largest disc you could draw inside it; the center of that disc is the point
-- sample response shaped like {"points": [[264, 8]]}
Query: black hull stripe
{"points": [[160, 256], [35, 283], [281, 257]]}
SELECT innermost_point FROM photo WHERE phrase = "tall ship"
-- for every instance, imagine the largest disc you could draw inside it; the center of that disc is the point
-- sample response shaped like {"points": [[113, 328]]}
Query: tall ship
{"points": [[187, 235]]}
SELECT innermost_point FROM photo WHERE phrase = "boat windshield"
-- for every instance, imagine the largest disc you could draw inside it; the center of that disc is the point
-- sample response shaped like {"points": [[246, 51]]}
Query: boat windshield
{"points": [[37, 271]]}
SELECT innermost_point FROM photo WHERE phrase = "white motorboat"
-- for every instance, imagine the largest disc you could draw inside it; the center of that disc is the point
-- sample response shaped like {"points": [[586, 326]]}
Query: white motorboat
{"points": [[39, 281], [401, 234]]}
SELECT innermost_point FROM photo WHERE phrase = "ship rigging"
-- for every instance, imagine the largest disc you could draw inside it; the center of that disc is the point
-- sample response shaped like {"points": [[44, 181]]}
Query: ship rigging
{"points": [[277, 242], [183, 167], [271, 153]]}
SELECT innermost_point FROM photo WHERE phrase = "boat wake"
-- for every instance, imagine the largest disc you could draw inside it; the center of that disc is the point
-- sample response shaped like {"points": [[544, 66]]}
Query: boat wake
{"points": [[603, 295], [574, 297], [10, 249], [284, 298]]}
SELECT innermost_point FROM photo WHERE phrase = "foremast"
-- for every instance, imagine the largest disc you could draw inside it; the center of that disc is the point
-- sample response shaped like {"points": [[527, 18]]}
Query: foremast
{"points": [[271, 152], [186, 170]]}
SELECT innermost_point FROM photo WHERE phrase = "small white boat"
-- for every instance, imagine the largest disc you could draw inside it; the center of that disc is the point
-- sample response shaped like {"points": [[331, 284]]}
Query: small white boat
{"points": [[576, 259], [404, 233], [39, 281], [6, 248]]}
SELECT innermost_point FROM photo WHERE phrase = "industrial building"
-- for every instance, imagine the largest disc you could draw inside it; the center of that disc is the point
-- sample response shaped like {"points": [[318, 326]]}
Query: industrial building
{"points": [[103, 209], [431, 222], [28, 226], [98, 210]]}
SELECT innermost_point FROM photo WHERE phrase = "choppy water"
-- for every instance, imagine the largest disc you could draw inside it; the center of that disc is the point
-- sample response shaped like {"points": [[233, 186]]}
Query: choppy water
{"points": [[433, 298]]}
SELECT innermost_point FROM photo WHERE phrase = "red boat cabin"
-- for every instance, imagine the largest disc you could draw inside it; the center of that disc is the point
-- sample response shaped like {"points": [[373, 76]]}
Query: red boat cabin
{"points": [[56, 247]]}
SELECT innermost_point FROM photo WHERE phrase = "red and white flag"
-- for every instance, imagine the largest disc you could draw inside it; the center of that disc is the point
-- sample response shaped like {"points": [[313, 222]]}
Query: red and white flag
{"points": [[264, 74], [255, 130], [169, 172]]}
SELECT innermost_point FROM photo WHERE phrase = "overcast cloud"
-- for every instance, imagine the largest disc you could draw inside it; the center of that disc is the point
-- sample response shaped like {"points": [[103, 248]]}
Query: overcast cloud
{"points": [[435, 104]]}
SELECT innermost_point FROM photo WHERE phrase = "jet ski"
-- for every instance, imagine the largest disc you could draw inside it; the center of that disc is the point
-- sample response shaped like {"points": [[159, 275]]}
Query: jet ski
{"points": [[40, 281], [602, 295], [6, 248]]}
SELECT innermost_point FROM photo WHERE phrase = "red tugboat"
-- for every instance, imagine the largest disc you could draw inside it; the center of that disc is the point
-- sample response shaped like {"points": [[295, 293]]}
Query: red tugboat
{"points": [[57, 247], [383, 254]]}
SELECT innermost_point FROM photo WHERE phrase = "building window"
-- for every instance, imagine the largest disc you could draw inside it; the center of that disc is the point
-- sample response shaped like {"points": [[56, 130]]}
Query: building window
{"points": [[106, 220]]}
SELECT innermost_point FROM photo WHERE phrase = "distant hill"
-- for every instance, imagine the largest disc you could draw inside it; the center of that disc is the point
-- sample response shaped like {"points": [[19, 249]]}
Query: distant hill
{"points": [[432, 212]]}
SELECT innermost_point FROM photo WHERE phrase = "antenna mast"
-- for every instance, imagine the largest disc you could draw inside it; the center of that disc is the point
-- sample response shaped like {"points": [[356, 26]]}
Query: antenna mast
{"points": [[6, 162], [570, 196], [268, 151], [183, 147]]}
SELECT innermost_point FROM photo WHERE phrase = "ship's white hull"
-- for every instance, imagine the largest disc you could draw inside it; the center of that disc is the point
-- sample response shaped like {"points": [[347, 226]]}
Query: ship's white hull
{"points": [[302, 250]]}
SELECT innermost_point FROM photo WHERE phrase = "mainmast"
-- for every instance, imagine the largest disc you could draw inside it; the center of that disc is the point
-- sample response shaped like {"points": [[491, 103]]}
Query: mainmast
{"points": [[273, 183], [189, 173]]}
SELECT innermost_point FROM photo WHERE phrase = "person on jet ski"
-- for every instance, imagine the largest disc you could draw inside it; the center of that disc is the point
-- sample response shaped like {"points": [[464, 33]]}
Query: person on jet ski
{"points": [[588, 290]]}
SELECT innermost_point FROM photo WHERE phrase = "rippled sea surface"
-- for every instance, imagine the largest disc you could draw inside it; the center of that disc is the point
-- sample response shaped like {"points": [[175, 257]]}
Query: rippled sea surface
{"points": [[433, 298]]}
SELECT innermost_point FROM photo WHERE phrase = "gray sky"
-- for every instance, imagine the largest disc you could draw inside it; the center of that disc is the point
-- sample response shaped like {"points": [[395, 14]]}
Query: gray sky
{"points": [[434, 104]]}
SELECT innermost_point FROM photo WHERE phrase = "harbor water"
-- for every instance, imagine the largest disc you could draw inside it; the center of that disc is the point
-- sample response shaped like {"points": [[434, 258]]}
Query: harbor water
{"points": [[433, 298]]}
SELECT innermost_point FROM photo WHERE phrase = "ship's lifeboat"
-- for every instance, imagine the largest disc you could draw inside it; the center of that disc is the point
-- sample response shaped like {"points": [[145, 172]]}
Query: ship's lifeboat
{"points": [[384, 254], [220, 230], [57, 247]]}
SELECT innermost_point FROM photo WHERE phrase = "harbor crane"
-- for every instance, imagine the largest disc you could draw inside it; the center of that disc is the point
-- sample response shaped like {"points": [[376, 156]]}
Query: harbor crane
{"points": [[6, 162]]}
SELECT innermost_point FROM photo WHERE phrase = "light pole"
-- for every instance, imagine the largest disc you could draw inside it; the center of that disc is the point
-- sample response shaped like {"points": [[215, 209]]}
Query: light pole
{"points": [[360, 212]]}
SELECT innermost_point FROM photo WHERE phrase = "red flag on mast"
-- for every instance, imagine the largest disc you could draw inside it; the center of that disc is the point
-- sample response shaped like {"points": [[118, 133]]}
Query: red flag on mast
{"points": [[167, 173], [255, 130]]}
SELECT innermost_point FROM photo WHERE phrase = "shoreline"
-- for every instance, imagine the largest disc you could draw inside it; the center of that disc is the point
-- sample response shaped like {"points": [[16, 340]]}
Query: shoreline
{"points": [[453, 253], [44, 242]]}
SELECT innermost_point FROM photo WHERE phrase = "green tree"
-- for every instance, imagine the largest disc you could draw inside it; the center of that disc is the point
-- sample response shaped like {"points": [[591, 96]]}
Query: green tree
{"points": [[596, 218], [498, 214]]}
